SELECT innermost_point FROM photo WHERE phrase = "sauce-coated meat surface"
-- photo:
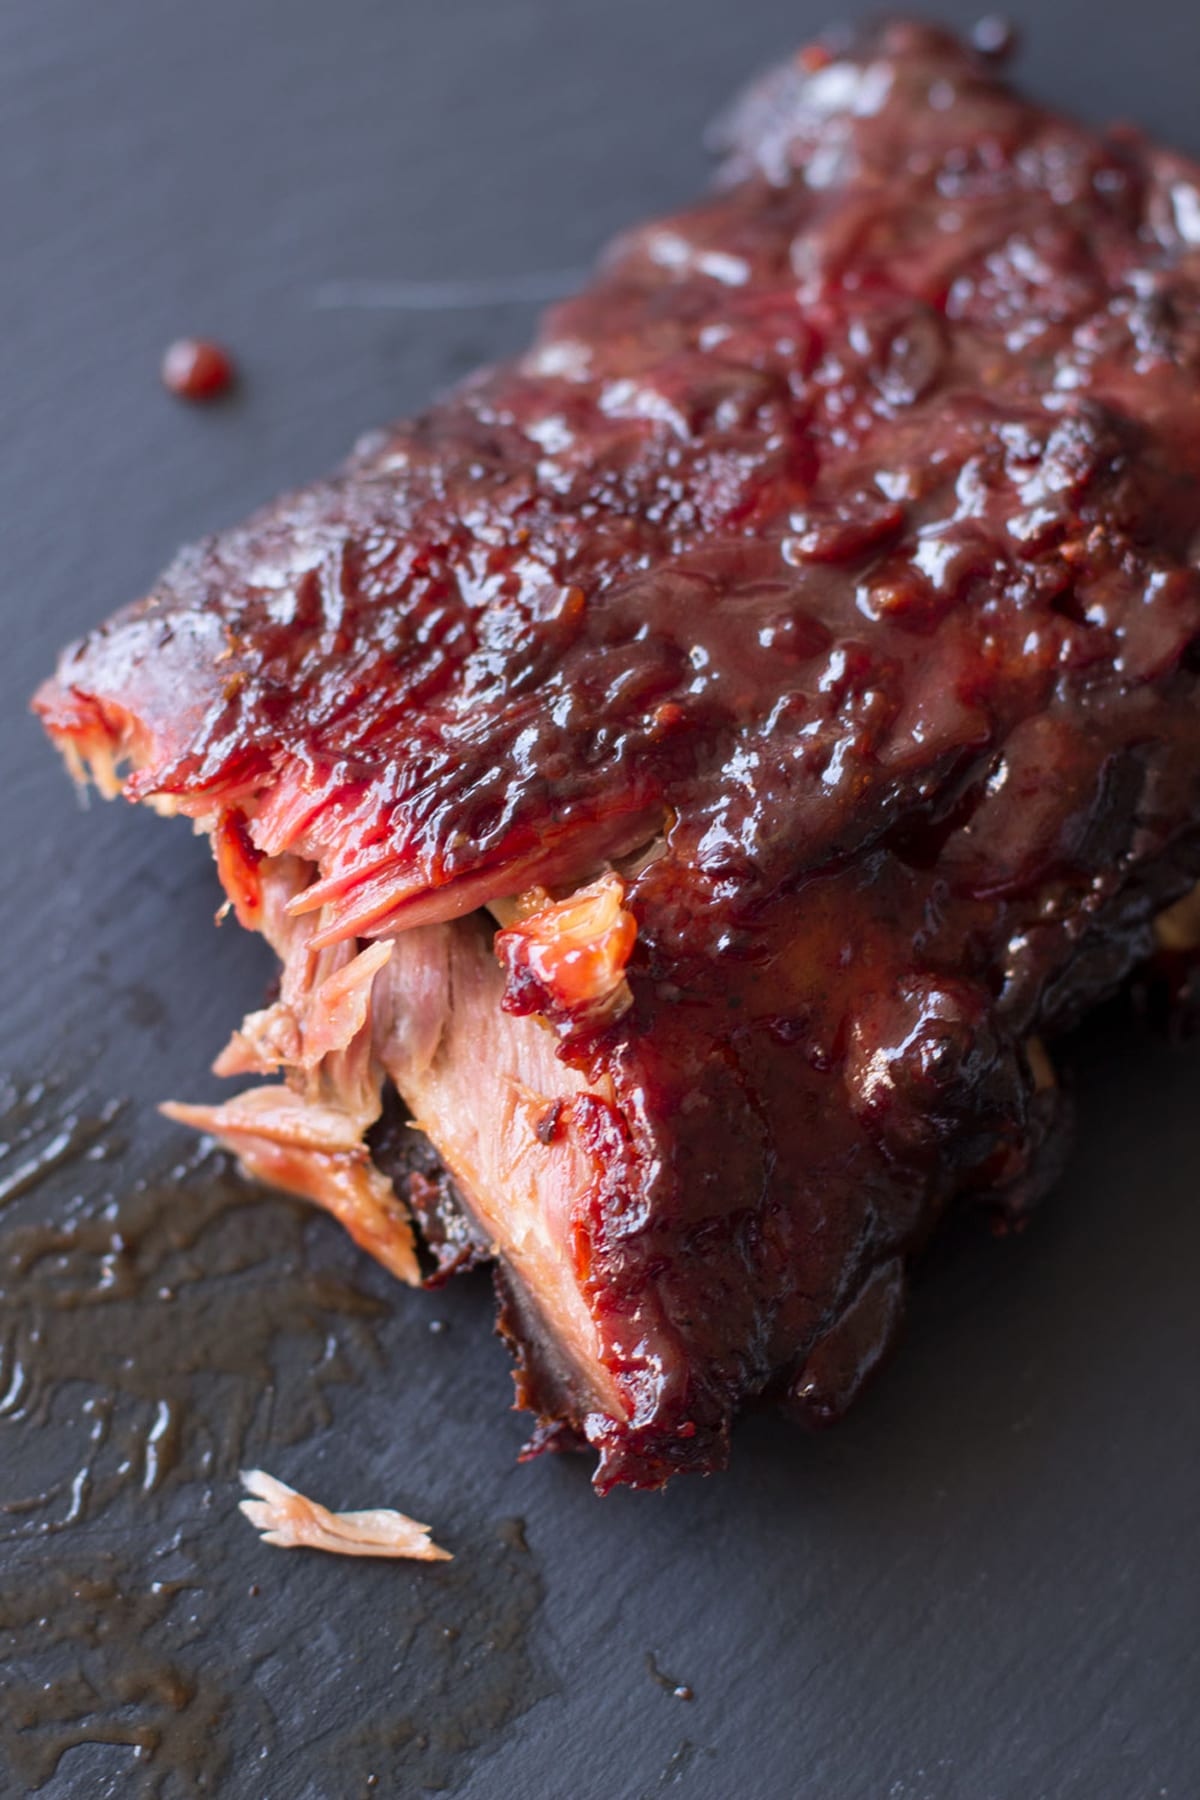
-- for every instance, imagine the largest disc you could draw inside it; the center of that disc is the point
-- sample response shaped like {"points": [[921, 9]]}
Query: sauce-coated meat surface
{"points": [[697, 763]]}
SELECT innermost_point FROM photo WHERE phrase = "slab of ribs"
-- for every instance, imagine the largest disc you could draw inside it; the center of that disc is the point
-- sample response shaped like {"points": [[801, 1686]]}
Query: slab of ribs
{"points": [[688, 773]]}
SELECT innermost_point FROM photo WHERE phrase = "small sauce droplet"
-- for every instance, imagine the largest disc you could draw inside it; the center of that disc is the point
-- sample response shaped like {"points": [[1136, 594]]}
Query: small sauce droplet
{"points": [[678, 1690], [197, 369], [512, 1533]]}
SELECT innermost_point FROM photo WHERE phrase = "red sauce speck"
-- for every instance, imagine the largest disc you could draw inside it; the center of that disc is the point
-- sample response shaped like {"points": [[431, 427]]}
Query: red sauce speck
{"points": [[197, 369]]}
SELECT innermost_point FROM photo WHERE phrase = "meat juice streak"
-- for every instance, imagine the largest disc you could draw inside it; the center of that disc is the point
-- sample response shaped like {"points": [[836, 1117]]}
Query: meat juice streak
{"points": [[121, 1683], [476, 1670], [156, 1333], [158, 1320]]}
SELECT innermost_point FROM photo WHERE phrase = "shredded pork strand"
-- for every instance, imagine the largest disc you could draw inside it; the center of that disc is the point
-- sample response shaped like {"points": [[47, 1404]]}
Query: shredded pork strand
{"points": [[307, 1134], [294, 1522]]}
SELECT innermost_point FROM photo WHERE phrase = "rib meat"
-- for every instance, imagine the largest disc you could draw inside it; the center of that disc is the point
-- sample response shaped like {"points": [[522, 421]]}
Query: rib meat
{"points": [[697, 764]]}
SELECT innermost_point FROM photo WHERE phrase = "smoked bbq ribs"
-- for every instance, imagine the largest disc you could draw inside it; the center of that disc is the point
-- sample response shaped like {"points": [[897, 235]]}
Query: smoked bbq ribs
{"points": [[690, 770]]}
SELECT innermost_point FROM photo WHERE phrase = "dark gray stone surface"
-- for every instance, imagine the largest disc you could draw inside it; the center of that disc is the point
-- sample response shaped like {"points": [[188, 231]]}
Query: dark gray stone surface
{"points": [[985, 1585]]}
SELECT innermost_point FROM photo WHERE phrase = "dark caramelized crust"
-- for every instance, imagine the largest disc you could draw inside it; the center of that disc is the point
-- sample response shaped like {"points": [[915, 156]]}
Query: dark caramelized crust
{"points": [[828, 570]]}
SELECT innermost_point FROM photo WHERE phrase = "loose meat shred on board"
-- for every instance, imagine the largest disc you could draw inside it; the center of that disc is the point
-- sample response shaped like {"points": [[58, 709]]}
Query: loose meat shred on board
{"points": [[294, 1522], [697, 763]]}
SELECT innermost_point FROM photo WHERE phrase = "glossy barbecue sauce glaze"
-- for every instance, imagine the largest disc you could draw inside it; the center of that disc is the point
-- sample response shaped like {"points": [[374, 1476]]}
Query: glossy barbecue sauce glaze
{"points": [[827, 568]]}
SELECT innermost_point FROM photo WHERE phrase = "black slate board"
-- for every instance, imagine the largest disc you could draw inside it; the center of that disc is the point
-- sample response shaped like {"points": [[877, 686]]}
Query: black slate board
{"points": [[985, 1585]]}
